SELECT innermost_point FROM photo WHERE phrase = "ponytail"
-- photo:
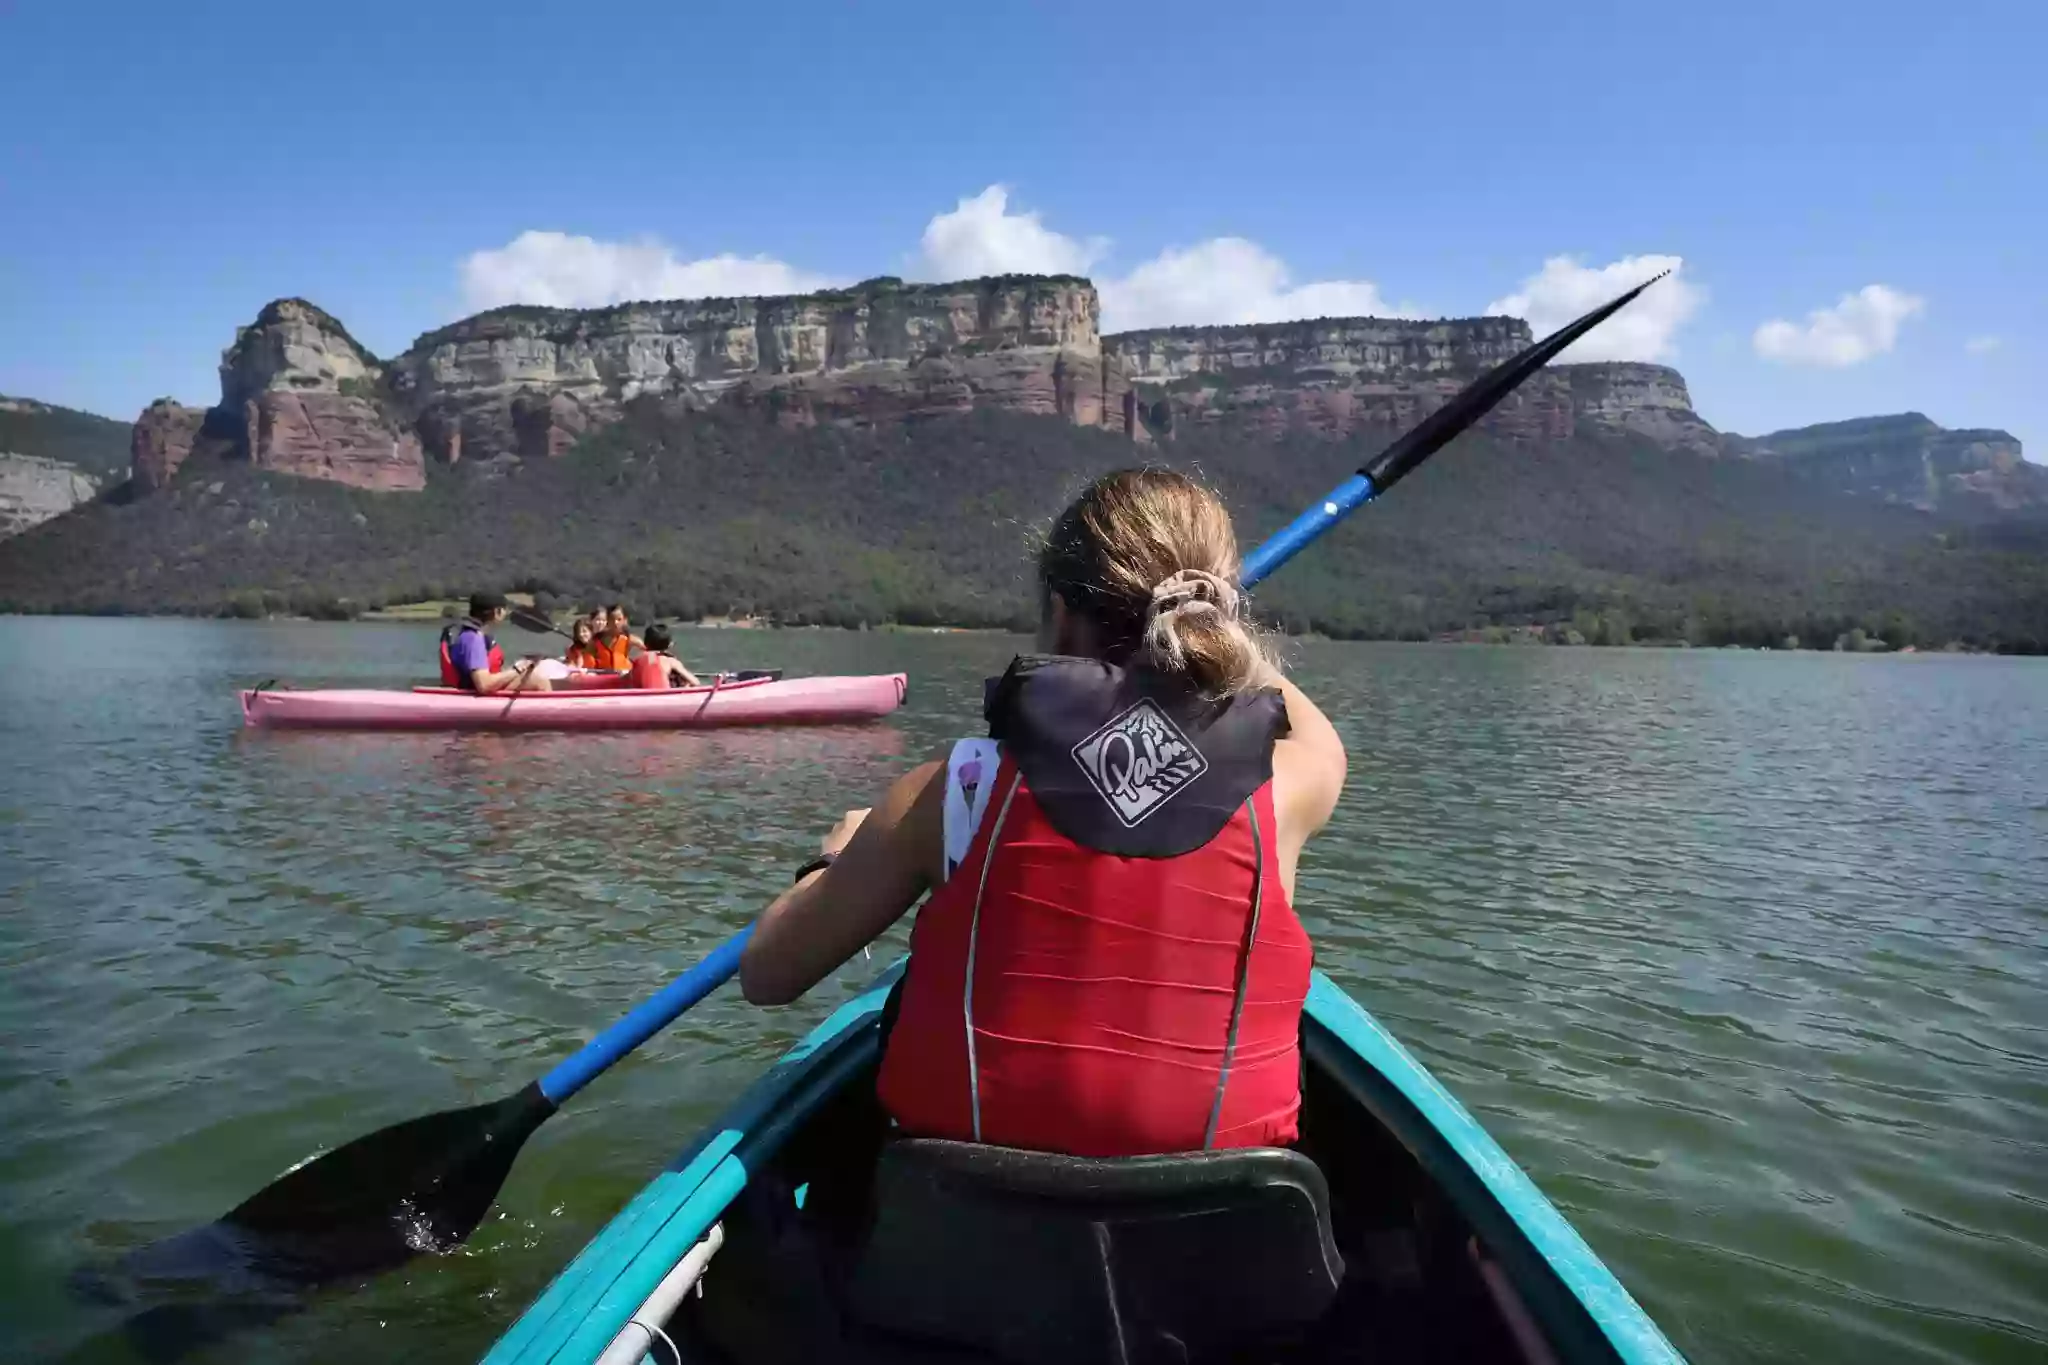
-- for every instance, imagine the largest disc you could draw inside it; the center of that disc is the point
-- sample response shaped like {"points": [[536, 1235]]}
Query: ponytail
{"points": [[1150, 557]]}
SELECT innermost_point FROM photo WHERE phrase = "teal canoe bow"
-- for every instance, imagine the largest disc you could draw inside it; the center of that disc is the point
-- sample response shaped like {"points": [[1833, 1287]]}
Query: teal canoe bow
{"points": [[1387, 1135]]}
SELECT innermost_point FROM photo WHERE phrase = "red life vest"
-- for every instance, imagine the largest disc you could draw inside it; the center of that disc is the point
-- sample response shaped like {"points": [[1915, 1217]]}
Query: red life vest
{"points": [[648, 671], [1114, 969], [451, 678]]}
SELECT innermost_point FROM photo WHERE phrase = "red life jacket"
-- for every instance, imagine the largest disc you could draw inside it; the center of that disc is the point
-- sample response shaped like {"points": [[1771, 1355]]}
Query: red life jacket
{"points": [[649, 671], [1114, 969], [449, 677]]}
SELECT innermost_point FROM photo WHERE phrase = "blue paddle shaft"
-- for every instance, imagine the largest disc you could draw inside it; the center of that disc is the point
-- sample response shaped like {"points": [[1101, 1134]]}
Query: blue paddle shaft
{"points": [[661, 1010], [1393, 464], [648, 1019], [1292, 538]]}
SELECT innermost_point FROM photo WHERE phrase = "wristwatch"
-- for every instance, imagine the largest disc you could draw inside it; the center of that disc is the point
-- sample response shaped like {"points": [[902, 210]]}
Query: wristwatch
{"points": [[817, 864]]}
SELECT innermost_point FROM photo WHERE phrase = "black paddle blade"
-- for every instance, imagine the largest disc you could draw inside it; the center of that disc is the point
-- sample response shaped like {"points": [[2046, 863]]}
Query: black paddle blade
{"points": [[415, 1187], [1476, 399], [527, 619]]}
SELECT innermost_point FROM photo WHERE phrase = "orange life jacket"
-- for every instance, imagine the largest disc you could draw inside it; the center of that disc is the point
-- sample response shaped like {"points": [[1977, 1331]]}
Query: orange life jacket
{"points": [[451, 678], [648, 671], [581, 656], [1114, 968], [614, 654]]}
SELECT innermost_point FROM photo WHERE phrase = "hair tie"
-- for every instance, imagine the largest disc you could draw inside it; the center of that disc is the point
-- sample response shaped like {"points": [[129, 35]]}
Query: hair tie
{"points": [[1193, 588]]}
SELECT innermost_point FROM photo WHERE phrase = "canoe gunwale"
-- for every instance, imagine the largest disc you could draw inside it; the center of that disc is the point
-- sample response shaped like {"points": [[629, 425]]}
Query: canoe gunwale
{"points": [[1571, 1292], [1580, 1304], [594, 1296]]}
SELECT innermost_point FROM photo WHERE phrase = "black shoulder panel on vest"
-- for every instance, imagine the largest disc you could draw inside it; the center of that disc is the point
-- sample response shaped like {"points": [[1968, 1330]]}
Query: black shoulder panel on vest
{"points": [[1127, 762]]}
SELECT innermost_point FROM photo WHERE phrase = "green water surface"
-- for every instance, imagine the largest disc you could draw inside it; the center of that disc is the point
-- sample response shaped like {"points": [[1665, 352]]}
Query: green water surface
{"points": [[1742, 956]]}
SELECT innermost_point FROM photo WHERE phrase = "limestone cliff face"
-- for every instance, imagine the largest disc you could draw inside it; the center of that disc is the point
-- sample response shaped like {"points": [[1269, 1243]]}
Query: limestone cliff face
{"points": [[1650, 401], [306, 399], [301, 396], [33, 489], [1333, 375], [530, 380]]}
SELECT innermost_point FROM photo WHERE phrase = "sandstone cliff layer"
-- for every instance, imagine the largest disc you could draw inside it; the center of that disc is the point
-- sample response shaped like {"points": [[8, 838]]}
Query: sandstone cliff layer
{"points": [[300, 395], [1649, 401], [305, 398], [530, 380], [162, 441], [1334, 375]]}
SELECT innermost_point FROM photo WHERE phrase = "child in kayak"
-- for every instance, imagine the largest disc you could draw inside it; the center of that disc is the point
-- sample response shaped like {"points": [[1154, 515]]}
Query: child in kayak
{"points": [[582, 651], [614, 643], [656, 667]]}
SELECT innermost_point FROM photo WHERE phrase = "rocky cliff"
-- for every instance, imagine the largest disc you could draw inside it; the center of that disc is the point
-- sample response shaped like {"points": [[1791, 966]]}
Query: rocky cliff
{"points": [[162, 441], [33, 489], [300, 395], [531, 380], [1649, 401], [1333, 375], [303, 397], [1907, 458]]}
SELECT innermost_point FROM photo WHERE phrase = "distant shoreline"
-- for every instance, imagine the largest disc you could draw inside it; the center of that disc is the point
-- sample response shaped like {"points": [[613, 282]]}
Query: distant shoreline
{"points": [[1491, 637]]}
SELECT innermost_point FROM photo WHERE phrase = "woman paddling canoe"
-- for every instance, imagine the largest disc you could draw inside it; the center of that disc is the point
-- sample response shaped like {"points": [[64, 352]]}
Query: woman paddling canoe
{"points": [[1109, 963]]}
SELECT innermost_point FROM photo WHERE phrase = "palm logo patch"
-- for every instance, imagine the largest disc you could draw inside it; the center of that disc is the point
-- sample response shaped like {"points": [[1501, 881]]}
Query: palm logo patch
{"points": [[1138, 760]]}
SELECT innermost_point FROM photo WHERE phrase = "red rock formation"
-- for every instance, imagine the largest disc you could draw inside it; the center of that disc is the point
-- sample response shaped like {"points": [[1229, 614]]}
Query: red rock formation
{"points": [[335, 437], [544, 425], [162, 441]]}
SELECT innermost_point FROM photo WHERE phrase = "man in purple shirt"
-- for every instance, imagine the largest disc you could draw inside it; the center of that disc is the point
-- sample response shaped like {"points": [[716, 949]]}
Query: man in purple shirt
{"points": [[470, 650]]}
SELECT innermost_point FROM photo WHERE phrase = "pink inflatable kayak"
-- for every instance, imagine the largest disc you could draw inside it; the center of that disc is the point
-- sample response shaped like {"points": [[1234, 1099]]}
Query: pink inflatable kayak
{"points": [[757, 701]]}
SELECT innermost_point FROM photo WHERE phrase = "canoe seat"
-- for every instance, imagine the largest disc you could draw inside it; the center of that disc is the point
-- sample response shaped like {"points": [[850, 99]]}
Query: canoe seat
{"points": [[1030, 1258]]}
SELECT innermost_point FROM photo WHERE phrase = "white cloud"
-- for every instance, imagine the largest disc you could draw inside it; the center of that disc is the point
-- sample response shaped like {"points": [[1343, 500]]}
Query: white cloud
{"points": [[1220, 281], [1223, 280], [1863, 324], [1983, 345], [1564, 289], [1230, 280], [560, 271], [982, 237]]}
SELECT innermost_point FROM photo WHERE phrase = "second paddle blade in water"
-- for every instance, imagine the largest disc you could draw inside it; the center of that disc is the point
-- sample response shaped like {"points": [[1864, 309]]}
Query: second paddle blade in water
{"points": [[415, 1187]]}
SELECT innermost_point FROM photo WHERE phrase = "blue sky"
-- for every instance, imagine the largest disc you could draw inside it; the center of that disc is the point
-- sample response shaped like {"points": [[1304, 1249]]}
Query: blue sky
{"points": [[1856, 191]]}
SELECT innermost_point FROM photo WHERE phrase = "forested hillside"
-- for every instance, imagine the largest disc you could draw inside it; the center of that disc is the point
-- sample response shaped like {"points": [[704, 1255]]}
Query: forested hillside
{"points": [[931, 522], [97, 445]]}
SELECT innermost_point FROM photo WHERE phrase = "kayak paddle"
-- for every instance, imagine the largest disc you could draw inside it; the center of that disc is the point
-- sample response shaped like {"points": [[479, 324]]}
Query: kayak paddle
{"points": [[424, 1185], [528, 619], [418, 1186]]}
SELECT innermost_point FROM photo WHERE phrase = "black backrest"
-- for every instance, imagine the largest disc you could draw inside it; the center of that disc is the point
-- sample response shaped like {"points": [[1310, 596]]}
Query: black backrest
{"points": [[1033, 1258]]}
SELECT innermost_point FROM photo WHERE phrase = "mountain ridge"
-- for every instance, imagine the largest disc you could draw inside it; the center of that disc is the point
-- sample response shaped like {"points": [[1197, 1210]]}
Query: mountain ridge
{"points": [[301, 395]]}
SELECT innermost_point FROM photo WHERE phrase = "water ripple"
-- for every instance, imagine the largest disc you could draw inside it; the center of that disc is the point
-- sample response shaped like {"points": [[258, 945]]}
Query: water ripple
{"points": [[1741, 956]]}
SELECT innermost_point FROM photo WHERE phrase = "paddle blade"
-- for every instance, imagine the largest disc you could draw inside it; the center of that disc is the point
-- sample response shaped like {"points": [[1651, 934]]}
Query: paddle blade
{"points": [[1479, 397], [415, 1187], [528, 619]]}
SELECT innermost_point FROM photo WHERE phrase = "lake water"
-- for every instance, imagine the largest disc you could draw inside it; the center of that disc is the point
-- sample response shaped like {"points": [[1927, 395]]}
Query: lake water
{"points": [[1741, 956]]}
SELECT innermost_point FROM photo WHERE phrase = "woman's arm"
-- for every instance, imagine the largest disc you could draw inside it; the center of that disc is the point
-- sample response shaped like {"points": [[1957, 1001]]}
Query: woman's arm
{"points": [[1309, 767], [883, 869]]}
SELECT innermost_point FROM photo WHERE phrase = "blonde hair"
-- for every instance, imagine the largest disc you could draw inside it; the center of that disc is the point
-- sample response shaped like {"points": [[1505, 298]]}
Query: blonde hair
{"points": [[1150, 558]]}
